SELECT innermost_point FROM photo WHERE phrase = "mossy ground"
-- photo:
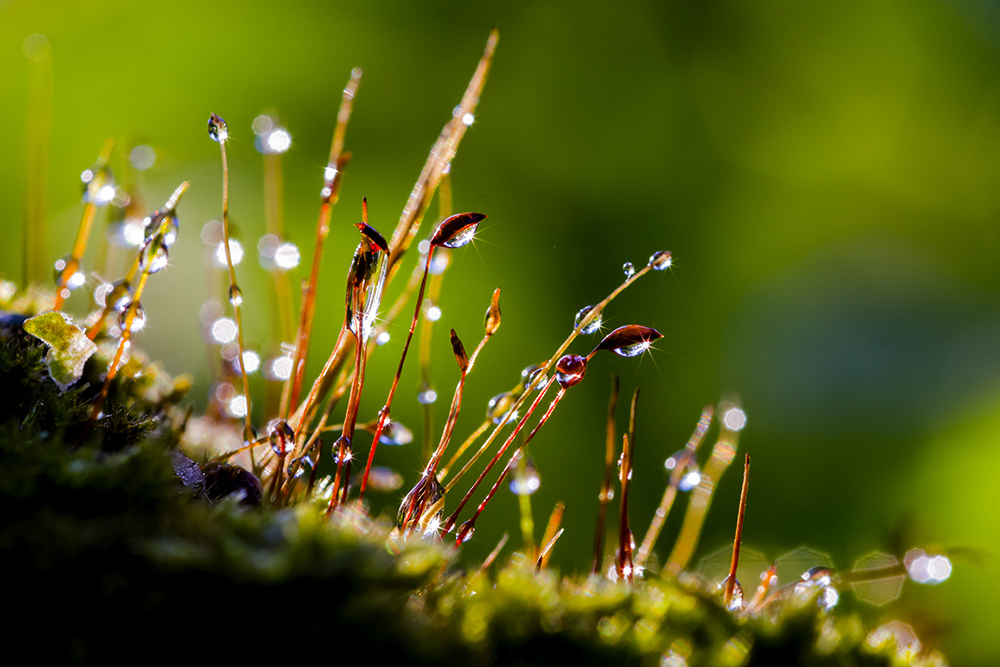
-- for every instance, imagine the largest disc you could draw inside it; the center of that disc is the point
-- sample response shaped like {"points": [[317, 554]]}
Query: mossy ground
{"points": [[109, 553]]}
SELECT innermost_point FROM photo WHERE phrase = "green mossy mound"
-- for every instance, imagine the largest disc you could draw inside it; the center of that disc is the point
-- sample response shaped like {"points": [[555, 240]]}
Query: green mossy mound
{"points": [[112, 550]]}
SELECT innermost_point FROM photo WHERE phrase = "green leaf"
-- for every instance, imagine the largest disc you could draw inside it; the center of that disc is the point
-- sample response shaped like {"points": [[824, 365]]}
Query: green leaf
{"points": [[69, 347]]}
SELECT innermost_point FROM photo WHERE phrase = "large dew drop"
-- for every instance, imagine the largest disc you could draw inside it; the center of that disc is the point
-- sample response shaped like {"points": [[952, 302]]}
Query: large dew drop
{"points": [[457, 230], [153, 257], [570, 370], [217, 128], [660, 261], [138, 320], [630, 340], [592, 326], [629, 269]]}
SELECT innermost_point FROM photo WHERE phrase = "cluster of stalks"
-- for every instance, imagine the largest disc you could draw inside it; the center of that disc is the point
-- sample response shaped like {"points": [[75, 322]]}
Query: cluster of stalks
{"points": [[287, 455]]}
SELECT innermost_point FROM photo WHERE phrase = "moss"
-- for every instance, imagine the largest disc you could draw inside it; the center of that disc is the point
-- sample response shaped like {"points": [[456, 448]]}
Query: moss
{"points": [[112, 550]]}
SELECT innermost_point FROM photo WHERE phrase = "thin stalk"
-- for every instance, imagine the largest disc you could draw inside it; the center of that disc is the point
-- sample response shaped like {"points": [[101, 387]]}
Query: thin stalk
{"points": [[701, 498], [670, 494], [383, 414], [626, 570], [524, 509], [465, 445], [82, 235], [333, 177], [544, 369], [450, 523], [438, 160], [551, 534], [235, 299], [609, 460], [738, 540], [130, 315]]}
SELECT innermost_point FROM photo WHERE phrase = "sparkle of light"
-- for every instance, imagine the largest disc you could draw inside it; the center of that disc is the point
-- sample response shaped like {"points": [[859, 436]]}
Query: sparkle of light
{"points": [[433, 313], [468, 119], [251, 361], [238, 406], [734, 419]]}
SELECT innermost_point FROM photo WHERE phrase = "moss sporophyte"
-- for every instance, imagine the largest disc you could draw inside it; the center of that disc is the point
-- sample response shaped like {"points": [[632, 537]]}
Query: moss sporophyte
{"points": [[249, 523]]}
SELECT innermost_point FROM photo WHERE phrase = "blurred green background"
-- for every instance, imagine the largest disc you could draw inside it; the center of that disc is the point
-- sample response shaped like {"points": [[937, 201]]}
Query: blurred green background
{"points": [[826, 176]]}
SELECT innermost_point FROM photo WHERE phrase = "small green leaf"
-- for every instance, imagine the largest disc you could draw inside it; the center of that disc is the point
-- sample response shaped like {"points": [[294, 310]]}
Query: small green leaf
{"points": [[69, 347]]}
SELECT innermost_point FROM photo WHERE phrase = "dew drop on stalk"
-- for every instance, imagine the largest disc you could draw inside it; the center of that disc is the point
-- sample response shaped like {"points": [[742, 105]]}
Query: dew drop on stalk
{"points": [[395, 434], [629, 269], [630, 340], [73, 281], [281, 436], [570, 370], [499, 406], [529, 374], [660, 261], [235, 295], [118, 295], [592, 326], [98, 185], [439, 262], [153, 261], [217, 128], [465, 532], [384, 479], [736, 602], [525, 482], [138, 320], [427, 490], [689, 479], [299, 466], [345, 442]]}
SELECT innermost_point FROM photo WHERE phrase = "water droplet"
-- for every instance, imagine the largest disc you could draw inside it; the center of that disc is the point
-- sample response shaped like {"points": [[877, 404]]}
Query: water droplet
{"points": [[629, 270], [427, 491], [828, 598], [525, 481], [529, 374], [138, 320], [235, 295], [427, 397], [69, 273], [281, 436], [570, 370], [118, 296], [166, 225], [98, 185], [299, 466], [500, 405], [629, 341], [465, 532], [457, 230], [736, 602], [345, 442], [440, 261], [384, 479], [690, 479], [382, 338], [433, 313], [217, 128], [660, 261], [153, 257], [592, 326], [468, 119], [394, 434]]}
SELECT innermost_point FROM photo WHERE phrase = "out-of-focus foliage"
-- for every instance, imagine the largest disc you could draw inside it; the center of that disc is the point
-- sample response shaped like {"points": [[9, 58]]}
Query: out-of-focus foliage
{"points": [[825, 175]]}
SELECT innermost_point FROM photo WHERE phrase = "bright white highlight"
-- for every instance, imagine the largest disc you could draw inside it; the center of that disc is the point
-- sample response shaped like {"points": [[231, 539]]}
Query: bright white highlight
{"points": [[287, 256], [223, 330], [235, 251], [279, 141]]}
